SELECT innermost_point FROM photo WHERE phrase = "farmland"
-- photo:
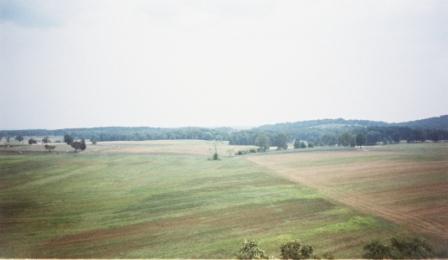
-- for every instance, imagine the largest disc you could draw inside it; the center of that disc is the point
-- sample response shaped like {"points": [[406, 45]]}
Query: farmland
{"points": [[406, 184], [159, 147], [167, 199]]}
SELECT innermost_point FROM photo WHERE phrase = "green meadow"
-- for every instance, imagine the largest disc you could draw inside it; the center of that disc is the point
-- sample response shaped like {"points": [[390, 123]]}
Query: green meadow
{"points": [[82, 205]]}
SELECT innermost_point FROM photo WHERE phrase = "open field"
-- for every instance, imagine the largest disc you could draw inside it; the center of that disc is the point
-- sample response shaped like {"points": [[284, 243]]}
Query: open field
{"points": [[407, 184], [169, 147], [138, 200]]}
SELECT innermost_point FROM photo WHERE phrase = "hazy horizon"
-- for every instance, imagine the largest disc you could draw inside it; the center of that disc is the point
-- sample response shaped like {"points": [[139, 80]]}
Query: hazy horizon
{"points": [[238, 127], [72, 64]]}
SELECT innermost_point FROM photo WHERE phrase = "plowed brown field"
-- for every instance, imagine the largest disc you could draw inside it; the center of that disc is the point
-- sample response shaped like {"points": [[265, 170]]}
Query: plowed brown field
{"points": [[407, 184]]}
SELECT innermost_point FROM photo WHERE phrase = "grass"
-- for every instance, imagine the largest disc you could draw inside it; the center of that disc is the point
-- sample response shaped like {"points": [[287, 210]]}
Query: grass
{"points": [[159, 205], [159, 147]]}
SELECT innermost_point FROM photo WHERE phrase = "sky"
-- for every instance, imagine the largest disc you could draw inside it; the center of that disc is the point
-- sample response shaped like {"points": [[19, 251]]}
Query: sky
{"points": [[170, 63]]}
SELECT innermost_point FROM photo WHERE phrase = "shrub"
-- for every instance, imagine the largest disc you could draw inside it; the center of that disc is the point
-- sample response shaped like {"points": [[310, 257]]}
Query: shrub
{"points": [[281, 141], [294, 250], [376, 250], [68, 139], [50, 147], [250, 250], [253, 150], [32, 141], [399, 248], [410, 248], [215, 156], [78, 145], [46, 140], [263, 142]]}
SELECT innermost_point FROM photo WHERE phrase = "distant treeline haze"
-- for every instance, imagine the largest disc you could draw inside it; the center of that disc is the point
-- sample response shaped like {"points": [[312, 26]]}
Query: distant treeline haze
{"points": [[317, 132]]}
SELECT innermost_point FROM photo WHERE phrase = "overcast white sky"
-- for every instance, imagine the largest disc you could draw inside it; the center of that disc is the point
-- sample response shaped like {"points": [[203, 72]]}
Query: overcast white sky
{"points": [[220, 63]]}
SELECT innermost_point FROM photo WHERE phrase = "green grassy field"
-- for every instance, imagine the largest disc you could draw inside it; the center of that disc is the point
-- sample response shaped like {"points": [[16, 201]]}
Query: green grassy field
{"points": [[166, 206]]}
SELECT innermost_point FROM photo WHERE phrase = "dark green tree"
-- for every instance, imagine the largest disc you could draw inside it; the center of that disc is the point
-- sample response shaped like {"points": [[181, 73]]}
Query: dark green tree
{"points": [[281, 141], [68, 139], [376, 250], [297, 144], [295, 250], [50, 148], [250, 250], [328, 139], [45, 140], [263, 142], [79, 145], [83, 144], [399, 248], [360, 139], [19, 138], [353, 141], [345, 139], [410, 248], [372, 137], [215, 153]]}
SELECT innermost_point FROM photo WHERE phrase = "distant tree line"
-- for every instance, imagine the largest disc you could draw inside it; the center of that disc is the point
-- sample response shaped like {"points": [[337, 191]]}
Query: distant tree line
{"points": [[384, 135], [129, 133], [359, 136], [311, 133]]}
